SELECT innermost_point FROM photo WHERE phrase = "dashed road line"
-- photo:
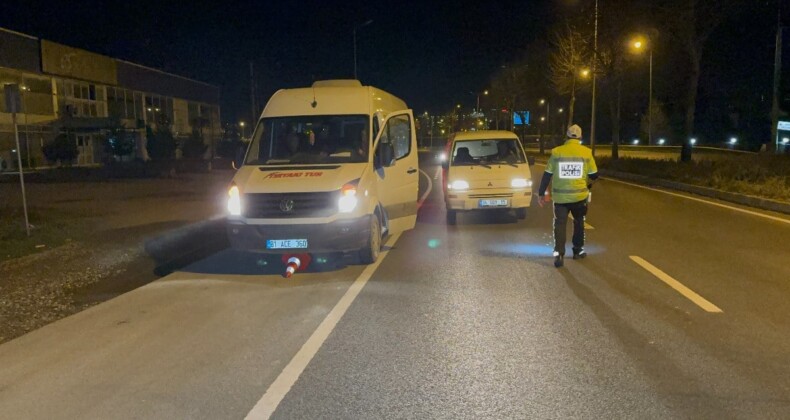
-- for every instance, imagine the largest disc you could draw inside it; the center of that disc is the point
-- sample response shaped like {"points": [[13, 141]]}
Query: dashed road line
{"points": [[266, 406], [586, 225], [678, 286]]}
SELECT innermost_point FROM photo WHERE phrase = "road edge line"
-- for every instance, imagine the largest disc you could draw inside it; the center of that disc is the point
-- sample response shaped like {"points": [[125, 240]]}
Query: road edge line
{"points": [[278, 389], [689, 294]]}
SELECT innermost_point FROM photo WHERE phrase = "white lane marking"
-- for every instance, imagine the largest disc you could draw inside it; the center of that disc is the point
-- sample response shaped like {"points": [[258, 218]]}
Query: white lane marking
{"points": [[266, 406], [422, 199], [586, 225], [713, 203], [678, 286]]}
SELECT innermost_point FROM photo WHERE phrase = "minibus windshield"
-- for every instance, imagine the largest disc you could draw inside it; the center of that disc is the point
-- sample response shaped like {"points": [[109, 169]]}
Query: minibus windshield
{"points": [[310, 140]]}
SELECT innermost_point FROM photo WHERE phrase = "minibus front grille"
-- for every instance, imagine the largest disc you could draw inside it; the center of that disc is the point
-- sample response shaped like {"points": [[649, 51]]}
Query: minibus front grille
{"points": [[287, 205]]}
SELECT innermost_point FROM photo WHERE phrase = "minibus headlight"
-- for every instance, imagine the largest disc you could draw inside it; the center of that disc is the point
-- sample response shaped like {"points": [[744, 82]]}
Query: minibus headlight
{"points": [[234, 201], [348, 199], [521, 183]]}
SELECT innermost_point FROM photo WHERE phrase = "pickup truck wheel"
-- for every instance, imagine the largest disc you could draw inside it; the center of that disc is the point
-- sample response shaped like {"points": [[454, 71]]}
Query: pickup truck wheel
{"points": [[370, 253]]}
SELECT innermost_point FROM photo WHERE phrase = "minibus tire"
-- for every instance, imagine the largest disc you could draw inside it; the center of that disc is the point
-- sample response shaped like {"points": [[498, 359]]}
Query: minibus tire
{"points": [[451, 217], [521, 213], [370, 253]]}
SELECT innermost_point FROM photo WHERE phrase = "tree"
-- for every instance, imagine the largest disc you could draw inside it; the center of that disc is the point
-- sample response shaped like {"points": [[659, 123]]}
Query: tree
{"points": [[570, 55], [118, 141], [660, 122], [62, 149], [194, 146], [161, 144], [691, 22]]}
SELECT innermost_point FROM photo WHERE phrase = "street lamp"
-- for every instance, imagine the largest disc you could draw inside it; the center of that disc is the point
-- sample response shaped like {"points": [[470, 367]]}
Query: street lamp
{"points": [[661, 141], [241, 124], [693, 141], [733, 140], [640, 44], [355, 43], [560, 110]]}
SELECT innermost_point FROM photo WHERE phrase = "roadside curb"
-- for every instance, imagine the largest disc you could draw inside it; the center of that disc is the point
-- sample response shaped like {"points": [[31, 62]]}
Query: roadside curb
{"points": [[746, 200]]}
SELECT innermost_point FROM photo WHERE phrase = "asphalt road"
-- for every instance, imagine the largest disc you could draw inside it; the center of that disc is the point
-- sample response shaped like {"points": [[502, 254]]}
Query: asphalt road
{"points": [[466, 321]]}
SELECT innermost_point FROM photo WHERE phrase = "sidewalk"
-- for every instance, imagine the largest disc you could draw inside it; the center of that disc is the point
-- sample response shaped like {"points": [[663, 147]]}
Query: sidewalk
{"points": [[94, 239]]}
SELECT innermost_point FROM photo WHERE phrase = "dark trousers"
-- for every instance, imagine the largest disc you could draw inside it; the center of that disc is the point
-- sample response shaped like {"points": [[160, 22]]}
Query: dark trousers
{"points": [[578, 210]]}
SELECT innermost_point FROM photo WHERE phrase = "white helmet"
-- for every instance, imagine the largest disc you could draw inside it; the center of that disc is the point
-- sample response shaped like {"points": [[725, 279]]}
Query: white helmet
{"points": [[574, 132]]}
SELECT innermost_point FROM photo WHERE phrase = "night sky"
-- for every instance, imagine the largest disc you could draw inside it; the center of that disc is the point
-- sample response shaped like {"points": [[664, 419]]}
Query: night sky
{"points": [[430, 53]]}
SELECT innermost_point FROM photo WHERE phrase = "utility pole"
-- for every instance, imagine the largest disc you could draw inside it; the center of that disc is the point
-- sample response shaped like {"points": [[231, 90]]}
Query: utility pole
{"points": [[594, 76], [774, 143], [13, 103], [650, 102], [253, 105]]}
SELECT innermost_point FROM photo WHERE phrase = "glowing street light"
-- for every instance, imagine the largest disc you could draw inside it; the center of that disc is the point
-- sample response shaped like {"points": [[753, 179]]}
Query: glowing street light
{"points": [[542, 101], [636, 141], [693, 141], [543, 118], [560, 110], [585, 73], [638, 45], [733, 140], [661, 141], [786, 140]]}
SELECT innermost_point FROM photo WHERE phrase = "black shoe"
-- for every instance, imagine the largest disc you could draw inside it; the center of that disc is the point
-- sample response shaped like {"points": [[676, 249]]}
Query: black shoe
{"points": [[579, 255], [559, 261]]}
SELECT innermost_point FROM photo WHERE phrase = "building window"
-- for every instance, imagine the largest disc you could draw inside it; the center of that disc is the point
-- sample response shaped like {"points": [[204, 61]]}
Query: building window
{"points": [[83, 100]]}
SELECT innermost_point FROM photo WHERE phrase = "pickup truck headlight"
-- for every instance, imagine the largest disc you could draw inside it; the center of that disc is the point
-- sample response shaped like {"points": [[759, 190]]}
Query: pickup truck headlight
{"points": [[234, 201], [459, 184], [348, 199], [521, 183]]}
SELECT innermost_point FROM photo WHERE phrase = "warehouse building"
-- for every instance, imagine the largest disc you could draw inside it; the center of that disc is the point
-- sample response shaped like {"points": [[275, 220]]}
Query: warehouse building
{"points": [[66, 90]]}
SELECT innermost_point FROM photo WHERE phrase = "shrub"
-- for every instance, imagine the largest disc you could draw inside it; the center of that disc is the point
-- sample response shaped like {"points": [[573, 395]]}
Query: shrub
{"points": [[161, 144], [63, 149], [194, 146]]}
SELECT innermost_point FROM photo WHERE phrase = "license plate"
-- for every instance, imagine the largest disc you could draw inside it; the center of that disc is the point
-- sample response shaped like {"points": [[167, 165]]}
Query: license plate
{"points": [[493, 203], [286, 243]]}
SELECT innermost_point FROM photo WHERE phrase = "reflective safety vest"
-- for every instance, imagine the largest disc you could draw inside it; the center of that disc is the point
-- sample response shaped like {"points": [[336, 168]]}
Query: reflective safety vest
{"points": [[570, 165]]}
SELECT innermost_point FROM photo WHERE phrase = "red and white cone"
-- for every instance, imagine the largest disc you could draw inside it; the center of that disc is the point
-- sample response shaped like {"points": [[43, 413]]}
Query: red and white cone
{"points": [[293, 264]]}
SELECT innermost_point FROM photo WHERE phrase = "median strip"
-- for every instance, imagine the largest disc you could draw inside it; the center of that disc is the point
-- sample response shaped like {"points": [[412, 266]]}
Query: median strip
{"points": [[678, 286]]}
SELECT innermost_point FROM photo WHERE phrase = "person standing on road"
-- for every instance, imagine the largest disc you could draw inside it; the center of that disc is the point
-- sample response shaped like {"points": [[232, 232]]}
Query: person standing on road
{"points": [[571, 171]]}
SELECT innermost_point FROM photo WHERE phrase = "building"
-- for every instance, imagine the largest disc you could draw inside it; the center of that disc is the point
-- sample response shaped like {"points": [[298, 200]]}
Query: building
{"points": [[67, 90]]}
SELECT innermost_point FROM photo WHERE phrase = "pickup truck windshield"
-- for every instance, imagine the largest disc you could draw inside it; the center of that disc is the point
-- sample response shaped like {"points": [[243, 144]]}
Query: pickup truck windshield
{"points": [[310, 140]]}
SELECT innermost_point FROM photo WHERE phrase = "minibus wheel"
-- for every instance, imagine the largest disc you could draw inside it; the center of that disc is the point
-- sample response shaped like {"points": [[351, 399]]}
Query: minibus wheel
{"points": [[370, 253], [521, 213]]}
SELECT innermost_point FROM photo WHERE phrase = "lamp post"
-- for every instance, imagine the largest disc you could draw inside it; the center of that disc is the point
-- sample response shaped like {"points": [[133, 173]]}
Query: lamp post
{"points": [[355, 43], [594, 78], [639, 45], [243, 131]]}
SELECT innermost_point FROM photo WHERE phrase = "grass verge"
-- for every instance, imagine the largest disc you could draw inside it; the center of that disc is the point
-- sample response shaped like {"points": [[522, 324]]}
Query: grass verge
{"points": [[50, 229], [761, 176]]}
